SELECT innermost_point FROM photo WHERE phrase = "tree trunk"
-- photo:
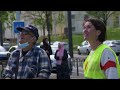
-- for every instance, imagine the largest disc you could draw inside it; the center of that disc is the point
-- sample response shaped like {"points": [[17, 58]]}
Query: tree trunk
{"points": [[1, 35], [48, 24], [43, 32], [105, 22]]}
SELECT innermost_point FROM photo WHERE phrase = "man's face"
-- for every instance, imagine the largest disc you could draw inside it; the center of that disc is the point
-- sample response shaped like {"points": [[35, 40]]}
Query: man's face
{"points": [[89, 31], [25, 36]]}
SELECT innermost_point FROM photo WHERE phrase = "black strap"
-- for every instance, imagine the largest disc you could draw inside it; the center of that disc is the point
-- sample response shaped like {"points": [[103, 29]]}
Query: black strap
{"points": [[38, 63], [17, 65]]}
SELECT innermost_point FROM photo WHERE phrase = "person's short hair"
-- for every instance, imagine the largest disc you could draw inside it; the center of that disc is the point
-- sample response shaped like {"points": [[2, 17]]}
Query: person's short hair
{"points": [[31, 29], [99, 25], [44, 40]]}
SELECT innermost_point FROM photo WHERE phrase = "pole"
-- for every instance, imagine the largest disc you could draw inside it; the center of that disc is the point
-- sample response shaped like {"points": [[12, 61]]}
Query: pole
{"points": [[77, 67], [70, 33], [17, 19], [48, 24], [1, 34]]}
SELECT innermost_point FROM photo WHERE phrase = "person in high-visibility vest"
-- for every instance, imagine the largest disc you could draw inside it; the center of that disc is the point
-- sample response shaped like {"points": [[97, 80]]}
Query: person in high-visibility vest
{"points": [[102, 62]]}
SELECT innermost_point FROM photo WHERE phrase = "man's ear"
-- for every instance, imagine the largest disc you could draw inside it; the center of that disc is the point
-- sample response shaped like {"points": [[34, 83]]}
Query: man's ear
{"points": [[98, 32]]}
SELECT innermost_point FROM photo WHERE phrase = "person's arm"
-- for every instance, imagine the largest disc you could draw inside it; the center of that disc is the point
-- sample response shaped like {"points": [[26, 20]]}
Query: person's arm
{"points": [[56, 57], [50, 51], [7, 73], [65, 55], [108, 64], [44, 68]]}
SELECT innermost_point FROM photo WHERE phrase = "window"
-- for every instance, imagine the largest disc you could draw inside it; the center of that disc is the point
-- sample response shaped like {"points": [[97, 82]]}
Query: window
{"points": [[72, 16], [73, 28]]}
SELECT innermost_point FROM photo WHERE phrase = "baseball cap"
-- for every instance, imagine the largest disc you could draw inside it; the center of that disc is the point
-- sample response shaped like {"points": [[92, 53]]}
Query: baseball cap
{"points": [[31, 29]]}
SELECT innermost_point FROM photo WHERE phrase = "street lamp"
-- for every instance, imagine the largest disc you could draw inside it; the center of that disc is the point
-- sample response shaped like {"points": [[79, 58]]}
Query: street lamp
{"points": [[70, 33]]}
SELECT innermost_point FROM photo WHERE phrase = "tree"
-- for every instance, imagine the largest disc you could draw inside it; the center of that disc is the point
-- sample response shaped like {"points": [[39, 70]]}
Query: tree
{"points": [[4, 16], [103, 15], [11, 18], [38, 18], [61, 19]]}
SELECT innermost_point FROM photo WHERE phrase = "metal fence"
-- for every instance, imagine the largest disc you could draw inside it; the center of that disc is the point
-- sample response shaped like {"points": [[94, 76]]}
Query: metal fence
{"points": [[77, 62], [3, 64]]}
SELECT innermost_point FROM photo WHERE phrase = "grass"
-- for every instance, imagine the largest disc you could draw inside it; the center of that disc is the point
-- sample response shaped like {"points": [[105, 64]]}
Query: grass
{"points": [[112, 34]]}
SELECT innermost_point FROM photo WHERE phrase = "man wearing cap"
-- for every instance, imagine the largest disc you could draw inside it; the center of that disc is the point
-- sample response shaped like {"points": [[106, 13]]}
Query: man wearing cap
{"points": [[28, 61]]}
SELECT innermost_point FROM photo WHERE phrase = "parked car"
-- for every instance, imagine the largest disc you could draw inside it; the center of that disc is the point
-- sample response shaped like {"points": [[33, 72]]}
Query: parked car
{"points": [[114, 44], [6, 46], [4, 55], [54, 48], [84, 48], [66, 45]]}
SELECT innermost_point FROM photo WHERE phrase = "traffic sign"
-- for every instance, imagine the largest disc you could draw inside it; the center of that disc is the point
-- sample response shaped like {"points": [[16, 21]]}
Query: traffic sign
{"points": [[17, 24]]}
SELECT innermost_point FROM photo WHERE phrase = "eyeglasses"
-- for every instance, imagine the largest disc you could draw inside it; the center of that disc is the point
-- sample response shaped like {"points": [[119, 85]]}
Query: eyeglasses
{"points": [[26, 33]]}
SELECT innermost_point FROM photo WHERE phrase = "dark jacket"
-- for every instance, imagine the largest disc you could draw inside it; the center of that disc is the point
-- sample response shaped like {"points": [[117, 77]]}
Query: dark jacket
{"points": [[63, 69], [47, 47]]}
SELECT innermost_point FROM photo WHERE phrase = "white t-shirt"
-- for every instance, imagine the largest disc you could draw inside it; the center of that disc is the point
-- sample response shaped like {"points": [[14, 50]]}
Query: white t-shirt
{"points": [[108, 60]]}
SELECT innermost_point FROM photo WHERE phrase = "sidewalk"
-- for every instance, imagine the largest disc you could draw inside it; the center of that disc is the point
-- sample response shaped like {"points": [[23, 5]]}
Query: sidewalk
{"points": [[77, 74], [74, 74]]}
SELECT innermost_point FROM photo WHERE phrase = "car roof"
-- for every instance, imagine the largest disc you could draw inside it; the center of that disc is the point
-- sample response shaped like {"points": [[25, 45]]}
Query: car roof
{"points": [[2, 49], [57, 42]]}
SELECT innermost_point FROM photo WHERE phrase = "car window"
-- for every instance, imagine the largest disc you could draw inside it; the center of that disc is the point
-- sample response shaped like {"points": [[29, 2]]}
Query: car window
{"points": [[12, 49], [85, 43], [116, 42], [106, 42]]}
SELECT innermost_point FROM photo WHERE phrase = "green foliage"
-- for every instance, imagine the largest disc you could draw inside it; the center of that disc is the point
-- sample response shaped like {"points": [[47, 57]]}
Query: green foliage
{"points": [[113, 34], [61, 18], [103, 15], [4, 16], [7, 17], [11, 18]]}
